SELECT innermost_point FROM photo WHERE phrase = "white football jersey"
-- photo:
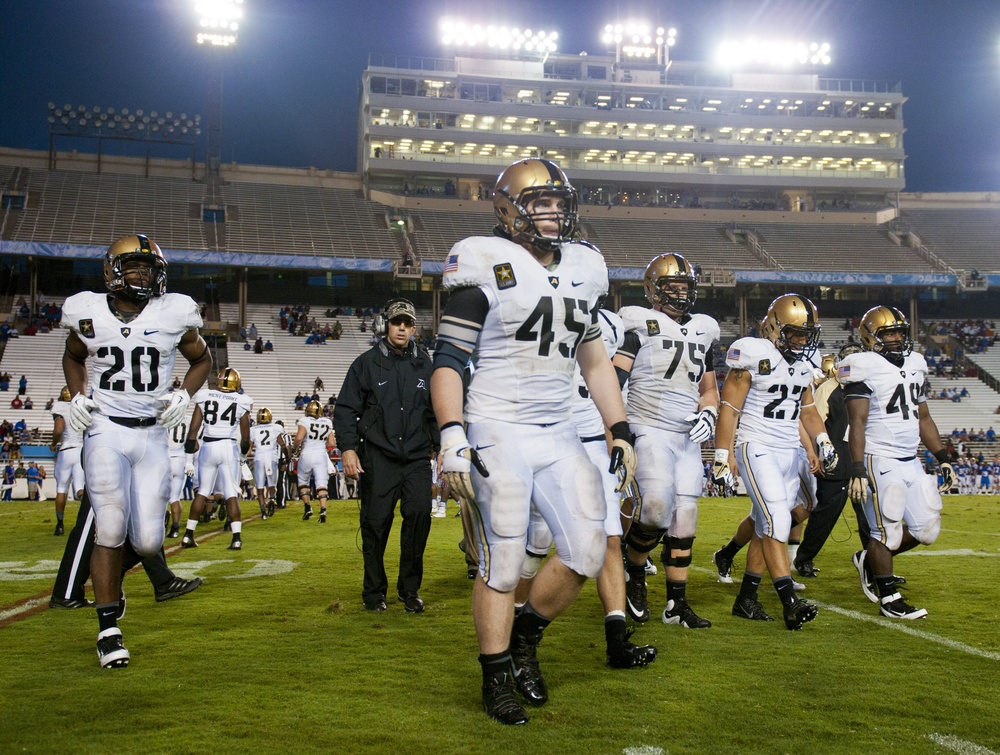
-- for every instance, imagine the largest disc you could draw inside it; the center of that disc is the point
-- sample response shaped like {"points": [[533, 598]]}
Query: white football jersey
{"points": [[70, 437], [317, 430], [893, 428], [265, 439], [177, 437], [771, 411], [130, 363], [587, 419], [536, 320], [668, 366], [221, 412]]}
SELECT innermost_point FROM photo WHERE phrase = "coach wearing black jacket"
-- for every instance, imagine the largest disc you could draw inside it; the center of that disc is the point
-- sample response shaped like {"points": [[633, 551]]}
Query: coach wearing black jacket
{"points": [[385, 429]]}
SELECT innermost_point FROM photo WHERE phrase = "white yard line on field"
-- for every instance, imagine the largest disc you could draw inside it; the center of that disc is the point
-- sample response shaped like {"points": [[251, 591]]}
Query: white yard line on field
{"points": [[10, 613], [960, 746]]}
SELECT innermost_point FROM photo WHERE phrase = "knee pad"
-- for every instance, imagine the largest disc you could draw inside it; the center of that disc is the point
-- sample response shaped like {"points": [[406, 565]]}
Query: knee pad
{"points": [[892, 504], [684, 522], [530, 566], [930, 503], [503, 564], [322, 493], [678, 544], [109, 528], [642, 537], [587, 550]]}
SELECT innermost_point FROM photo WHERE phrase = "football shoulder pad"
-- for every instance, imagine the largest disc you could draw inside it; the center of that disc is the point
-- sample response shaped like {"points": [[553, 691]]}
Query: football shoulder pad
{"points": [[754, 355], [471, 261]]}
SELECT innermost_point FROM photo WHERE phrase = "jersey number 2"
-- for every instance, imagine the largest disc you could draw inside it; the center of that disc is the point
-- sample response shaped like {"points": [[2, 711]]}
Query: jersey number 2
{"points": [[116, 353]]}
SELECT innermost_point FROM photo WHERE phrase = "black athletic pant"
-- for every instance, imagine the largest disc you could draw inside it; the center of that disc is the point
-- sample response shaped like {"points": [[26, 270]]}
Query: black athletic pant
{"points": [[384, 482], [831, 495], [74, 569]]}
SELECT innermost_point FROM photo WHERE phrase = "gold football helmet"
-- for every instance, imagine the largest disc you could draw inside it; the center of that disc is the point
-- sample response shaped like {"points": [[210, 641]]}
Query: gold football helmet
{"points": [[229, 380], [660, 282], [877, 323], [130, 248], [313, 409], [264, 416], [64, 394], [829, 365], [518, 186], [791, 316]]}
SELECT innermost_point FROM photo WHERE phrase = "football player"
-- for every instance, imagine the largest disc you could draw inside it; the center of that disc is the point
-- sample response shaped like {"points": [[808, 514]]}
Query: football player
{"points": [[888, 417], [769, 388], [178, 478], [68, 443], [221, 414], [130, 338], [673, 403], [312, 440], [266, 438], [525, 301]]}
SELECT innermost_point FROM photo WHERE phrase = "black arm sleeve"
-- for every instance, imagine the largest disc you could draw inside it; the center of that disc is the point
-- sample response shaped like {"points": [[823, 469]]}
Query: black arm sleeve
{"points": [[460, 326]]}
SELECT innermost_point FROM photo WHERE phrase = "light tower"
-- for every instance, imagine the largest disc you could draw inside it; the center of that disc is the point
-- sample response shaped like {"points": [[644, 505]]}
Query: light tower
{"points": [[218, 24]]}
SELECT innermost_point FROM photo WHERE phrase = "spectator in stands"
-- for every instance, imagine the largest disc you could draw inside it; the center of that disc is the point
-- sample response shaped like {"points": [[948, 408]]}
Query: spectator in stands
{"points": [[4, 331], [20, 473], [176, 384], [253, 330], [39, 302], [300, 401], [8, 480], [337, 330], [268, 346], [28, 403], [22, 309], [318, 383], [4, 380], [22, 385], [991, 435], [243, 333], [16, 402], [48, 404], [258, 346], [32, 328]]}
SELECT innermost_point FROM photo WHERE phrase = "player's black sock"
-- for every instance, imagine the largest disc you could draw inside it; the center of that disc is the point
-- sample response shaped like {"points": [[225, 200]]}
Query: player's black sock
{"points": [[785, 589], [676, 590], [59, 516], [730, 550], [614, 630], [495, 665], [886, 585], [107, 615], [749, 585], [530, 623]]}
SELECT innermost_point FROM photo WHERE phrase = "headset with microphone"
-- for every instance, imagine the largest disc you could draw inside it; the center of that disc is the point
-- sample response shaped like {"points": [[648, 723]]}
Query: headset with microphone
{"points": [[393, 308]]}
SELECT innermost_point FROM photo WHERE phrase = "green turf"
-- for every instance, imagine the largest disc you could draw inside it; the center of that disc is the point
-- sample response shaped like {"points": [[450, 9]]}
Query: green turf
{"points": [[292, 663]]}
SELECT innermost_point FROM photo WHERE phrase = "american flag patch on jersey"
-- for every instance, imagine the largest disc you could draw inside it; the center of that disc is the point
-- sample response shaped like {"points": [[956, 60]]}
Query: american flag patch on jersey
{"points": [[844, 371], [451, 264], [733, 354]]}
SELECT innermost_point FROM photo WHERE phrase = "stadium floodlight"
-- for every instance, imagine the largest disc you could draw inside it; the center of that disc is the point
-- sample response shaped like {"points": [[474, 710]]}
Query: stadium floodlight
{"points": [[772, 54], [638, 41], [218, 22], [489, 38]]}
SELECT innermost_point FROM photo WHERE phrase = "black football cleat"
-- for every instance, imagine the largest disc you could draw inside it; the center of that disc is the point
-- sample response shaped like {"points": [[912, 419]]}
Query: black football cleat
{"points": [[868, 586], [624, 654], [110, 650], [500, 703], [307, 513], [177, 587], [894, 607], [724, 567], [798, 613], [750, 608], [679, 612], [60, 530], [236, 545], [635, 595], [188, 540], [527, 673]]}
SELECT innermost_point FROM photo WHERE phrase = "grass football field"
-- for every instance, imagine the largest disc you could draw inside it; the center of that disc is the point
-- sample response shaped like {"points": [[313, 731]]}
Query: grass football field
{"points": [[275, 653]]}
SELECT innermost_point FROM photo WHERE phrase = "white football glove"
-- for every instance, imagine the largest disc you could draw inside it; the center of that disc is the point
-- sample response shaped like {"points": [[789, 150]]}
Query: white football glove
{"points": [[623, 458], [704, 424], [245, 472], [857, 489], [457, 459], [722, 473], [948, 475], [177, 406], [80, 408], [827, 453], [189, 465]]}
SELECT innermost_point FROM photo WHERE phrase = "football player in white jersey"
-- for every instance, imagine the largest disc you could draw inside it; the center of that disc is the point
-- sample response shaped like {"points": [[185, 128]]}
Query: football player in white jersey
{"points": [[525, 301], [768, 388], [313, 439], [178, 477], [222, 415], [130, 338], [673, 403], [887, 410], [621, 653], [266, 438], [69, 467]]}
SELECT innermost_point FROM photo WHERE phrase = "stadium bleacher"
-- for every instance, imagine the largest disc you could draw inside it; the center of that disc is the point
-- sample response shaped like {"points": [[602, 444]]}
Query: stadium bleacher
{"points": [[965, 238]]}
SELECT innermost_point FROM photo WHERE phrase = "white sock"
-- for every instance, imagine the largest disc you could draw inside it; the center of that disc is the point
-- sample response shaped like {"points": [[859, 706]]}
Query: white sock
{"points": [[237, 528], [191, 524]]}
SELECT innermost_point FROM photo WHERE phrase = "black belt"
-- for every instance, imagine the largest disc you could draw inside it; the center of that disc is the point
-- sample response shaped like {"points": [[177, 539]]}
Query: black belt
{"points": [[908, 458], [593, 439], [212, 440], [134, 421]]}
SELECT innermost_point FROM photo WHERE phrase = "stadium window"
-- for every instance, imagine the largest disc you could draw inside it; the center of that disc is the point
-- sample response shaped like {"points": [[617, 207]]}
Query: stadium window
{"points": [[212, 213], [12, 202], [377, 84], [597, 72], [408, 87]]}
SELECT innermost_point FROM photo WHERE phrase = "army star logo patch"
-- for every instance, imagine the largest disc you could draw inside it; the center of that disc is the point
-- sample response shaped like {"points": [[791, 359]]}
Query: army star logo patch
{"points": [[653, 327], [764, 368], [86, 328], [505, 275]]}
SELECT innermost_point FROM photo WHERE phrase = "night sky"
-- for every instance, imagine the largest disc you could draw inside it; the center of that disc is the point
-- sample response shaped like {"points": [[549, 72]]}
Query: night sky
{"points": [[291, 85]]}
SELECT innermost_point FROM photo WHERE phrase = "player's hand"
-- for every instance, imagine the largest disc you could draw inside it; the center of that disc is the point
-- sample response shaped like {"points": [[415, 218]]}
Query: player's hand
{"points": [[827, 453], [245, 472], [948, 473], [722, 473], [177, 406], [189, 465], [622, 454], [457, 460], [857, 489], [704, 424], [80, 408]]}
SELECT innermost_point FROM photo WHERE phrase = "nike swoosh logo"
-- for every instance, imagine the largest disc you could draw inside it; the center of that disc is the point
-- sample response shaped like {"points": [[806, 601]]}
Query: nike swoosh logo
{"points": [[383, 382], [483, 448], [699, 332], [882, 473], [149, 332], [574, 284], [757, 456]]}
